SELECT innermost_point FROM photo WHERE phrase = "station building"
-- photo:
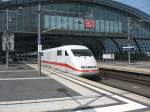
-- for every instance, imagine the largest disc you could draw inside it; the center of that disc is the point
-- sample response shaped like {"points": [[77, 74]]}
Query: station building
{"points": [[101, 25]]}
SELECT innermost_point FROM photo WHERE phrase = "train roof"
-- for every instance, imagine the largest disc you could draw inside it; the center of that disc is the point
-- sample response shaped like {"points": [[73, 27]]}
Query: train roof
{"points": [[68, 47], [75, 46]]}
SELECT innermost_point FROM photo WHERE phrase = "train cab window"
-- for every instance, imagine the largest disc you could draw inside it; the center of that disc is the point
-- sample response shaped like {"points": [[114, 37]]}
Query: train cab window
{"points": [[66, 54], [59, 53], [81, 52]]}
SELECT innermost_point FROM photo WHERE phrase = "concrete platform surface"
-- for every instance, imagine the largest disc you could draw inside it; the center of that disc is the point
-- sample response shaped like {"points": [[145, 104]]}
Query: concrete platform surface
{"points": [[12, 67], [59, 92], [32, 89], [136, 67]]}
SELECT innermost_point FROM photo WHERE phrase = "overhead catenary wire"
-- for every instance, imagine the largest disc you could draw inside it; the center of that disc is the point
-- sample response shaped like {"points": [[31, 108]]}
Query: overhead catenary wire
{"points": [[144, 6]]}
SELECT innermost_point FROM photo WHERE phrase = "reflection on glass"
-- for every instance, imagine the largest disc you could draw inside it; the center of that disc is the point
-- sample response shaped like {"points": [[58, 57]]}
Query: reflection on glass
{"points": [[81, 52]]}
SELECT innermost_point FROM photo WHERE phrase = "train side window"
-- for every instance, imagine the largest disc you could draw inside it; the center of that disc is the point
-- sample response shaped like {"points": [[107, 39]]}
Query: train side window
{"points": [[59, 53], [66, 54]]}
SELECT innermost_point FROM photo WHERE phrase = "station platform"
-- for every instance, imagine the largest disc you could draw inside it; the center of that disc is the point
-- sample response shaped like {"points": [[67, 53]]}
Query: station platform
{"points": [[136, 67], [23, 90]]}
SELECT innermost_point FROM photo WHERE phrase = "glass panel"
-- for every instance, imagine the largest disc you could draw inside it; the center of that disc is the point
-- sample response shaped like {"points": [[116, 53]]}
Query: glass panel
{"points": [[52, 21], [102, 27], [120, 27], [59, 53], [58, 21], [66, 54], [122, 42], [70, 23], [115, 27], [110, 46], [111, 26], [81, 52], [76, 24], [46, 21], [81, 23], [65, 23], [144, 46], [106, 26], [97, 26]]}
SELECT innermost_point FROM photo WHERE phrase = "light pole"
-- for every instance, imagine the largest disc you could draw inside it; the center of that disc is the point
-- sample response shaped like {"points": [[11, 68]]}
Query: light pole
{"points": [[7, 46], [130, 47], [39, 38], [129, 40], [7, 37]]}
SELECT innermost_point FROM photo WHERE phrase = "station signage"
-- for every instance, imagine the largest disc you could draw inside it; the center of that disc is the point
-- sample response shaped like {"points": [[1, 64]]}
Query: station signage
{"points": [[89, 23], [109, 56], [128, 48], [39, 48], [8, 41]]}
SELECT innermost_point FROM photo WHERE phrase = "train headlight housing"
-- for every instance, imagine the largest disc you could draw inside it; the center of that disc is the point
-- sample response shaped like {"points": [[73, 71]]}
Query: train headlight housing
{"points": [[88, 67], [84, 67]]}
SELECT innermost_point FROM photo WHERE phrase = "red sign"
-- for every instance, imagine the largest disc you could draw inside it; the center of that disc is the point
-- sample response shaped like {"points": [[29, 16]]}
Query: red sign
{"points": [[89, 23]]}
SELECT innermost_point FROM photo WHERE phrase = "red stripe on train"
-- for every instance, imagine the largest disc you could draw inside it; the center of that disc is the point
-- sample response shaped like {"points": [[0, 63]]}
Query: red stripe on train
{"points": [[66, 65]]}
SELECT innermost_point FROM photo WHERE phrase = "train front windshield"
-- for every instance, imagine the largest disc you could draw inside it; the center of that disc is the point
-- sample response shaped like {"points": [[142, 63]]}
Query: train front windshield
{"points": [[82, 52]]}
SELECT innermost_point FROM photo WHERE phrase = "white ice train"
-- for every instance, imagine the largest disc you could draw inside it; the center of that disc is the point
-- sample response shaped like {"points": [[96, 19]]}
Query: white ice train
{"points": [[75, 59]]}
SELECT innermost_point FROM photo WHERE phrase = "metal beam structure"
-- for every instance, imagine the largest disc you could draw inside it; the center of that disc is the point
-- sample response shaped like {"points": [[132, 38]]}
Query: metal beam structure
{"points": [[127, 10], [12, 4]]}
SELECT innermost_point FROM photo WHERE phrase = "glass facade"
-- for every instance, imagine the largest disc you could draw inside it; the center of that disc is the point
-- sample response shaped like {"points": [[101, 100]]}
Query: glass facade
{"points": [[144, 46], [70, 17], [110, 46]]}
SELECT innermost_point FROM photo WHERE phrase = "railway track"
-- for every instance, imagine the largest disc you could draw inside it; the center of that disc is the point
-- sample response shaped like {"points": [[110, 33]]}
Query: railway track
{"points": [[125, 76], [122, 76]]}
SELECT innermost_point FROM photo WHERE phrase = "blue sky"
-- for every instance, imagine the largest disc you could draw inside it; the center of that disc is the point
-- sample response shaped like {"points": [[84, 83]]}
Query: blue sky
{"points": [[143, 5]]}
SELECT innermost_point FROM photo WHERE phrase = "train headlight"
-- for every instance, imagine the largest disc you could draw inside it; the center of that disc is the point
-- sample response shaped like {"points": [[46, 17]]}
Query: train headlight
{"points": [[88, 67]]}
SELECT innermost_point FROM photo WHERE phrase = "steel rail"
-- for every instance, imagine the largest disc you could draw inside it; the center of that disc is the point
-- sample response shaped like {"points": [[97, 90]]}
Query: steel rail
{"points": [[125, 76]]}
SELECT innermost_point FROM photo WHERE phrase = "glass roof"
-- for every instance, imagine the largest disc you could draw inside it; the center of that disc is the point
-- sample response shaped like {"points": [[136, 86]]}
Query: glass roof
{"points": [[143, 5]]}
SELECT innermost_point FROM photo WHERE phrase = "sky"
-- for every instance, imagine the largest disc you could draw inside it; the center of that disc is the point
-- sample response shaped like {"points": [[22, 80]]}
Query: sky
{"points": [[143, 5]]}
